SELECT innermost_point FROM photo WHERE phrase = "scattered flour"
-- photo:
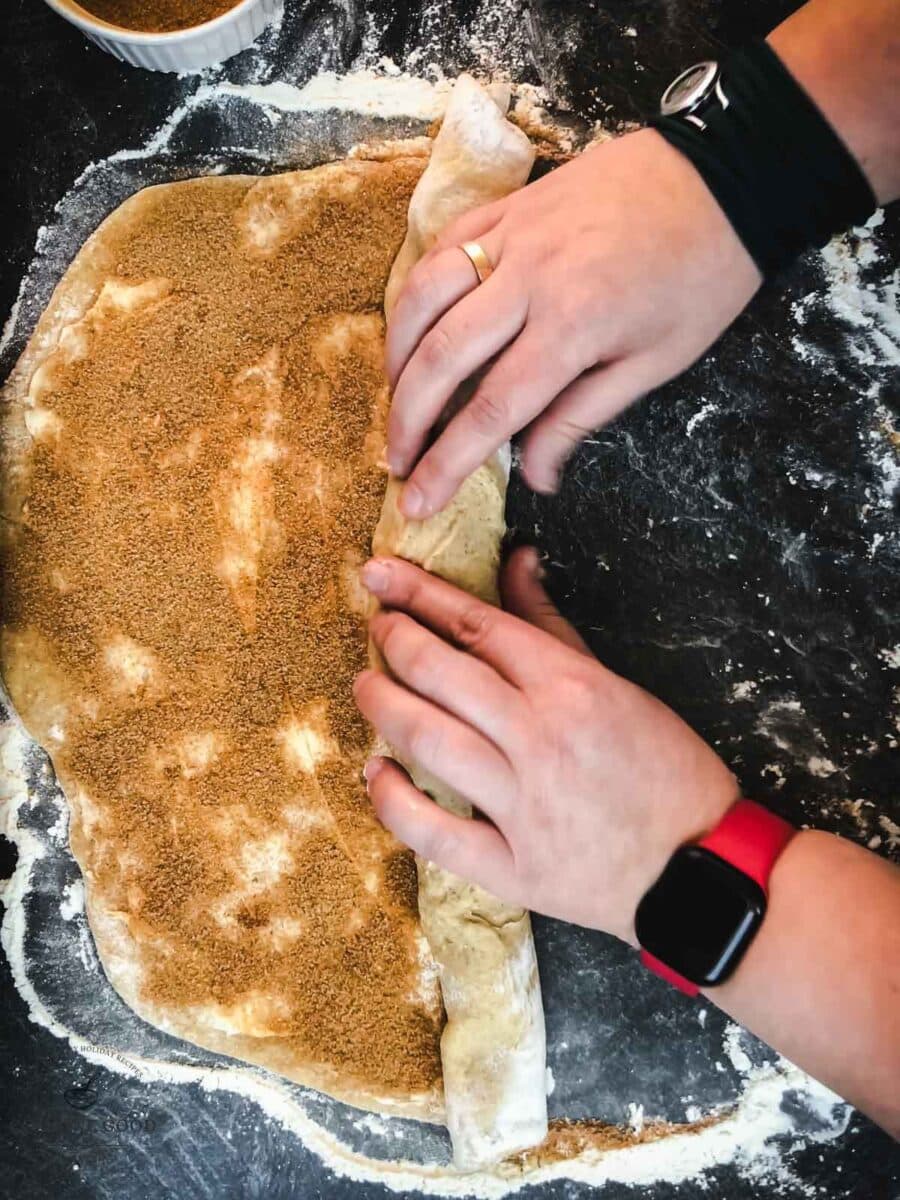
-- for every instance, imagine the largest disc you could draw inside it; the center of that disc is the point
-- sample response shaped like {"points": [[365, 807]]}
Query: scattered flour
{"points": [[635, 1119], [869, 310], [372, 92], [72, 900], [892, 832], [732, 1044], [785, 723], [702, 414], [882, 440], [820, 767], [860, 299]]}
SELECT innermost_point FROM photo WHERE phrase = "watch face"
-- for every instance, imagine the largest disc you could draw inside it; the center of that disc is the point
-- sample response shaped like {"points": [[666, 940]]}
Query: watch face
{"points": [[700, 916], [689, 89]]}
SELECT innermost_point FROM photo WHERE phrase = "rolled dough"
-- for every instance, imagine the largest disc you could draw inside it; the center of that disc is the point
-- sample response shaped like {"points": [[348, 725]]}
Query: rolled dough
{"points": [[493, 1046]]}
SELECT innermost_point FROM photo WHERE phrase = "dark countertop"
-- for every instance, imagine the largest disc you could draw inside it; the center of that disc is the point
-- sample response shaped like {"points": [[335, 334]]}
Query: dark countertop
{"points": [[731, 545]]}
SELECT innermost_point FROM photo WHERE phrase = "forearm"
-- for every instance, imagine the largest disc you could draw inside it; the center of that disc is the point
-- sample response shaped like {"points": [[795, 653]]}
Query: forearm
{"points": [[847, 57], [821, 981]]}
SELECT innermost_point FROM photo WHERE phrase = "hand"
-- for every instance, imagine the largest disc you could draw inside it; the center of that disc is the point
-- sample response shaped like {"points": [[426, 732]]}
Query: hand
{"points": [[588, 783], [612, 274]]}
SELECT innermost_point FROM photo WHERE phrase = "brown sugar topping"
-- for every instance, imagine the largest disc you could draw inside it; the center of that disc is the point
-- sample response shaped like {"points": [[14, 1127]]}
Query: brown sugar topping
{"points": [[157, 16], [190, 536]]}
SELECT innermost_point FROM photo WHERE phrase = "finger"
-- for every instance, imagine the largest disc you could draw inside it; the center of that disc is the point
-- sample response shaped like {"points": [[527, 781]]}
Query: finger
{"points": [[470, 226], [519, 652], [590, 402], [523, 381], [467, 336], [459, 683], [525, 597], [434, 284], [474, 850], [447, 748]]}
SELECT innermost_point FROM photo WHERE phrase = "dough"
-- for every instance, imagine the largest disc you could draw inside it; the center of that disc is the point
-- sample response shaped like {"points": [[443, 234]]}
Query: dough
{"points": [[191, 475], [493, 1045], [191, 453]]}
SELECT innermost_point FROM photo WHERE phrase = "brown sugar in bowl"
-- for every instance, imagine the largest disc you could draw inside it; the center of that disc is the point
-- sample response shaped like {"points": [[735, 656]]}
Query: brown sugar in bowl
{"points": [[157, 16], [160, 40]]}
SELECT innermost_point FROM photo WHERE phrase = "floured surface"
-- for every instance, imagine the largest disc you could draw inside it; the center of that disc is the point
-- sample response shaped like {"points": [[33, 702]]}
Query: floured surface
{"points": [[192, 480], [50, 951]]}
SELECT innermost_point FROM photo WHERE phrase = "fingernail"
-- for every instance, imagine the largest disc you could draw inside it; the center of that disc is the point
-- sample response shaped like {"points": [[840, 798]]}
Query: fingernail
{"points": [[537, 567], [372, 770], [545, 485], [376, 577], [413, 502]]}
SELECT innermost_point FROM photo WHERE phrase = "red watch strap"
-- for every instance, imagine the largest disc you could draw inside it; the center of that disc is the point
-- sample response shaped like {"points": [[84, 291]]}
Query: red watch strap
{"points": [[658, 967], [750, 838]]}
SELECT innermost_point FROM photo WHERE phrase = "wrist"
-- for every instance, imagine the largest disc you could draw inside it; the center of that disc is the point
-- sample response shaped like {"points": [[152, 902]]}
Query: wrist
{"points": [[777, 168], [688, 821], [698, 920], [820, 982], [848, 68], [788, 871], [722, 245]]}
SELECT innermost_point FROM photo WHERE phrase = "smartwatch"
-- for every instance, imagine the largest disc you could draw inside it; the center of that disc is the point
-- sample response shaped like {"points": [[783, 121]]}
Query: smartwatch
{"points": [[696, 922]]}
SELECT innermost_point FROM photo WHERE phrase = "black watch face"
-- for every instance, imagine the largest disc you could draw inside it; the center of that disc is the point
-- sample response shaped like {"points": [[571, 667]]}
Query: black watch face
{"points": [[700, 916]]}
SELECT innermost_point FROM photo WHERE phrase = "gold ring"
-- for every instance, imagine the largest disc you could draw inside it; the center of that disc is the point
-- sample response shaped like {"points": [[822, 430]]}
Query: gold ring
{"points": [[479, 260]]}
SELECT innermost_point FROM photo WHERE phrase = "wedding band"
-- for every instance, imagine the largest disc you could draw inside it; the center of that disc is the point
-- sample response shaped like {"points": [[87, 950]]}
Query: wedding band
{"points": [[479, 260]]}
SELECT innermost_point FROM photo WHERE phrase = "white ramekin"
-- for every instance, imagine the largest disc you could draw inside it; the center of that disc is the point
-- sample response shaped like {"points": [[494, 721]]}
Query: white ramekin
{"points": [[182, 50]]}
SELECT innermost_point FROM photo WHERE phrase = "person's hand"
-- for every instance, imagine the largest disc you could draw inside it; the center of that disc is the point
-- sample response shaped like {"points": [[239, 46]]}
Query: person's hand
{"points": [[612, 274], [588, 783]]}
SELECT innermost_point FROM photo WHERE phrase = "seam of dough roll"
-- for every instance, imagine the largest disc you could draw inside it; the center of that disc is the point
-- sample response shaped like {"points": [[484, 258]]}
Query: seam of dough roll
{"points": [[493, 1049]]}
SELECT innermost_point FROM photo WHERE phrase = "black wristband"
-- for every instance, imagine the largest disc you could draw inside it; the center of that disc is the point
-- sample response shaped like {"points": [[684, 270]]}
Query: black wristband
{"points": [[778, 170]]}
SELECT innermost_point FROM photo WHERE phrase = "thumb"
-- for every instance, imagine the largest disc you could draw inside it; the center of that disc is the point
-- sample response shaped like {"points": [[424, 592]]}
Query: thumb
{"points": [[525, 597]]}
